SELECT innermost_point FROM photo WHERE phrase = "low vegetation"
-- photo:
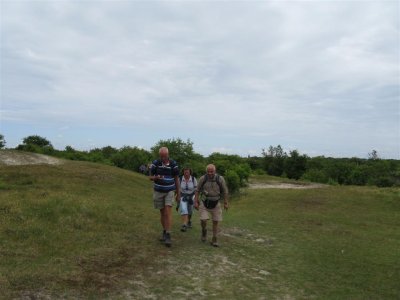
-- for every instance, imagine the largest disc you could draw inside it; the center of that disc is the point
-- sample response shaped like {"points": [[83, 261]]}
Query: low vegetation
{"points": [[373, 171], [87, 230]]}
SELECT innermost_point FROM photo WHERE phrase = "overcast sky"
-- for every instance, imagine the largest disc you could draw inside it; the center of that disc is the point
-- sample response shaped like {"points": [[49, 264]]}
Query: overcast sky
{"points": [[318, 76]]}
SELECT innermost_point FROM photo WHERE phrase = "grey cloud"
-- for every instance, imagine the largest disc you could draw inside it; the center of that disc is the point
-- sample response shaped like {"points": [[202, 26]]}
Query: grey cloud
{"points": [[289, 69]]}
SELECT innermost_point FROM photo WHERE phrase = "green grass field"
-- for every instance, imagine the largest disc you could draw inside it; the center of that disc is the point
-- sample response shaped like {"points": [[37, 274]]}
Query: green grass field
{"points": [[83, 230]]}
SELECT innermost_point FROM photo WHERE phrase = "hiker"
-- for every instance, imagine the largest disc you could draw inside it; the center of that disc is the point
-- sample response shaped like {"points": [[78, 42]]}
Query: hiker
{"points": [[164, 173], [143, 169], [212, 188], [188, 185]]}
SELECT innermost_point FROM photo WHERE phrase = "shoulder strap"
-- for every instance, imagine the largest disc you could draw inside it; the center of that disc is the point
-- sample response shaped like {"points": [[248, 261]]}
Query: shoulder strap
{"points": [[205, 179], [217, 179]]}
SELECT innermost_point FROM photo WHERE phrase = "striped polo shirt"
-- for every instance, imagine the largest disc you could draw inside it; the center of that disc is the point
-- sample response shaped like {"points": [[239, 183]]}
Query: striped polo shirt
{"points": [[168, 171]]}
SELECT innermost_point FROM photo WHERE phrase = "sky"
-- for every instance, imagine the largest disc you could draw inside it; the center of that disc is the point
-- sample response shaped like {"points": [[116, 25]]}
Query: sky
{"points": [[322, 77]]}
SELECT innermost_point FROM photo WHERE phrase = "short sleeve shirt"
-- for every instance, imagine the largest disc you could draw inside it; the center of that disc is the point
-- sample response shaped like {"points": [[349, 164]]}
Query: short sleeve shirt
{"points": [[168, 171]]}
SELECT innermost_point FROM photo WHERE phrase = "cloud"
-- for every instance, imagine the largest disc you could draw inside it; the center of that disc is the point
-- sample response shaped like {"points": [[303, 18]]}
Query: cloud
{"points": [[266, 72]]}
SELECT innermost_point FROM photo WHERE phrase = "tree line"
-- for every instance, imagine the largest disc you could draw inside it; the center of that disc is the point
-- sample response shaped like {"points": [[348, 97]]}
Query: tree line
{"points": [[236, 169]]}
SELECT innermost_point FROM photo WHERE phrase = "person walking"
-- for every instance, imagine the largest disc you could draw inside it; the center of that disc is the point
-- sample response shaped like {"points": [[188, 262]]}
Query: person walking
{"points": [[188, 187], [210, 190], [164, 172]]}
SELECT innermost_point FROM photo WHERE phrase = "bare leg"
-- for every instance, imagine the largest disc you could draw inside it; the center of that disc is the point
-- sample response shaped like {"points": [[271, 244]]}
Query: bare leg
{"points": [[215, 228], [204, 224], [203, 230], [162, 212], [167, 218], [215, 232], [184, 219]]}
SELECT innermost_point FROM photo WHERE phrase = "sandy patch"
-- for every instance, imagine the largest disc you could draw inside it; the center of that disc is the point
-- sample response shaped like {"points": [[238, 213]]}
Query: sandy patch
{"points": [[280, 185], [17, 158]]}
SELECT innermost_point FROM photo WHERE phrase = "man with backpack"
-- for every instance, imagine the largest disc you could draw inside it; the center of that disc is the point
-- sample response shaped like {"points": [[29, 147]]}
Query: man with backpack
{"points": [[164, 173], [211, 189]]}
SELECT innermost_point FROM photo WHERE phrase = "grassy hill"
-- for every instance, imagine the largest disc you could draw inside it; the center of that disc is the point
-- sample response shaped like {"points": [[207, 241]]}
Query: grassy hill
{"points": [[84, 230]]}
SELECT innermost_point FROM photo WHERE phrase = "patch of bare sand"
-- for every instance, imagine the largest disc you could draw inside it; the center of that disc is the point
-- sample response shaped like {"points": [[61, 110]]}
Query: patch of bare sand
{"points": [[19, 158], [280, 185]]}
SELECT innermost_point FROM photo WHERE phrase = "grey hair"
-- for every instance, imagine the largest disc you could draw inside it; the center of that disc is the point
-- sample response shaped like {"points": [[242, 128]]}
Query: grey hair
{"points": [[211, 166]]}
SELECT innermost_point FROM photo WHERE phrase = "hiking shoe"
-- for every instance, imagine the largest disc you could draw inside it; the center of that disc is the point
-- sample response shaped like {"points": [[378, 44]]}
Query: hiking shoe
{"points": [[203, 235], [168, 242], [162, 238], [184, 228], [190, 224], [214, 242]]}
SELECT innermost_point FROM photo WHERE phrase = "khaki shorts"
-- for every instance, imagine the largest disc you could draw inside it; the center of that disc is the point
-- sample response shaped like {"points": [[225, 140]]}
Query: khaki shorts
{"points": [[216, 212], [163, 199]]}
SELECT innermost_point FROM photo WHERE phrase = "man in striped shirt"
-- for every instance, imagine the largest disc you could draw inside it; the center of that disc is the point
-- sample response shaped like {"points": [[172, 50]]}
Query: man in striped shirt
{"points": [[164, 173]]}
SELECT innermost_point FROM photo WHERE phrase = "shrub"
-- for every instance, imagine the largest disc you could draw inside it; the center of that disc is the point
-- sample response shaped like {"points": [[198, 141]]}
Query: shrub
{"points": [[295, 165], [232, 180], [315, 175]]}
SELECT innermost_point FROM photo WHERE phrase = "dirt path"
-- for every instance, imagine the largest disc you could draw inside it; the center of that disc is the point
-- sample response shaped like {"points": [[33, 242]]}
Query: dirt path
{"points": [[19, 158], [195, 270], [280, 185]]}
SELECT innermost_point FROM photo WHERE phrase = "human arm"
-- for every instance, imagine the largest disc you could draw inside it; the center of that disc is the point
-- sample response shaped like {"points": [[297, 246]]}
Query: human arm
{"points": [[196, 200], [178, 190], [155, 177], [225, 193]]}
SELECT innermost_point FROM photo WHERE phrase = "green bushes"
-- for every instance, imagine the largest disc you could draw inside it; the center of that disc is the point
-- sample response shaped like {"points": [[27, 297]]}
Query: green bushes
{"points": [[232, 180], [349, 171], [130, 158], [316, 175], [236, 169], [295, 165]]}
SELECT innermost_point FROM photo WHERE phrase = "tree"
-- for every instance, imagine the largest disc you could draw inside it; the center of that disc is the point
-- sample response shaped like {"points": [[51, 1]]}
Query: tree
{"points": [[295, 165], [37, 140], [274, 160], [2, 141], [130, 158], [108, 151], [37, 144], [69, 149], [373, 155], [182, 152]]}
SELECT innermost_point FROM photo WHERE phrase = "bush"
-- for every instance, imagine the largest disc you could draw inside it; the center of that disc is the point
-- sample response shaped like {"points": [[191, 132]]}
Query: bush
{"points": [[232, 180], [315, 175], [383, 181], [37, 144], [295, 165], [359, 175], [37, 140], [131, 158], [259, 172], [243, 171]]}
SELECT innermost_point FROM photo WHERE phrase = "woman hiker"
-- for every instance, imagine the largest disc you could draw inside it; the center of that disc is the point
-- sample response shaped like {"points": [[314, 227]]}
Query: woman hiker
{"points": [[188, 187]]}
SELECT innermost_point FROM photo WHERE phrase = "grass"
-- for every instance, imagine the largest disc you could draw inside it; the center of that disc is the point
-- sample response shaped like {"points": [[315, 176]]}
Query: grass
{"points": [[84, 230]]}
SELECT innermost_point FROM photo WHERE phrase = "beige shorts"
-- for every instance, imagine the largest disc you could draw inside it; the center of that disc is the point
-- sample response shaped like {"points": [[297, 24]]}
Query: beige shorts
{"points": [[163, 199], [216, 212]]}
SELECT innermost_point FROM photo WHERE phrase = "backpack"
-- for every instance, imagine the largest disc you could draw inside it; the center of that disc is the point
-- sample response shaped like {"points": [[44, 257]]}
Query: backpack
{"points": [[210, 204]]}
